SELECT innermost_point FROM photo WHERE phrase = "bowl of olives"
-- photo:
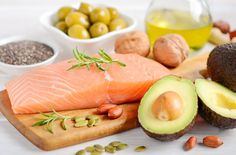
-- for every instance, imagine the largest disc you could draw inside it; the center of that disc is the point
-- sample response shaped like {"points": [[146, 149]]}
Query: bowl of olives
{"points": [[88, 27]]}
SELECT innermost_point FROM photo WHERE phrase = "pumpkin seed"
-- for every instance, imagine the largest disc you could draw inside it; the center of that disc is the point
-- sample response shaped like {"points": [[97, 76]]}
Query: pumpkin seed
{"points": [[81, 123], [78, 119], [91, 122], [98, 147], [97, 121], [140, 148], [89, 117], [95, 153], [80, 152], [110, 149], [121, 146], [115, 143], [90, 149]]}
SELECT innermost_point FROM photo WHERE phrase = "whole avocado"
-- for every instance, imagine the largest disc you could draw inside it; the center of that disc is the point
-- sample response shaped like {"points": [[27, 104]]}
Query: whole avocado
{"points": [[221, 65]]}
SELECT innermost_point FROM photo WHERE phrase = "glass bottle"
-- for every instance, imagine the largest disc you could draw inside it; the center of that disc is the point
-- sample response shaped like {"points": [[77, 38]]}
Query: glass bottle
{"points": [[189, 18]]}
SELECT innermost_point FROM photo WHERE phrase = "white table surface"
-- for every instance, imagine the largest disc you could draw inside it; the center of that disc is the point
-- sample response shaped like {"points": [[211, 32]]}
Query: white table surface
{"points": [[19, 17]]}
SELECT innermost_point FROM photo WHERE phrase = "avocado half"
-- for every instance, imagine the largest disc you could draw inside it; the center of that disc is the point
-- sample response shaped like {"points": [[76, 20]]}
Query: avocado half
{"points": [[221, 65], [172, 129], [217, 104]]}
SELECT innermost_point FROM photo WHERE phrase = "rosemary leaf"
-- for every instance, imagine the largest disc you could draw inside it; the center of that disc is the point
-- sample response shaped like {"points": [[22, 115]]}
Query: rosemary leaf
{"points": [[83, 60], [49, 120]]}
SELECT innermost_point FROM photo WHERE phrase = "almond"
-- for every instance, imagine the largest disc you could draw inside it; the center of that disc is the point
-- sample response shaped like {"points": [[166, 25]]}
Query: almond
{"points": [[115, 112], [204, 73], [190, 143], [212, 141], [104, 108]]}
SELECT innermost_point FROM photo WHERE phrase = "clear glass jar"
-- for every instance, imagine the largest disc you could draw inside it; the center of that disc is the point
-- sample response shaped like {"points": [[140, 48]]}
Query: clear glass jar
{"points": [[189, 18]]}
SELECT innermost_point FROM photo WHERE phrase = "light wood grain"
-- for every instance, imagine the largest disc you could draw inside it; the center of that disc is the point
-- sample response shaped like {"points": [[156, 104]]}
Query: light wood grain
{"points": [[47, 141]]}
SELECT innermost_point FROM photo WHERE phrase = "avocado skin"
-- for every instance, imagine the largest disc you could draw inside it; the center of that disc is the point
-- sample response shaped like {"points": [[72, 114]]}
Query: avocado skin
{"points": [[215, 119], [170, 137], [221, 65]]}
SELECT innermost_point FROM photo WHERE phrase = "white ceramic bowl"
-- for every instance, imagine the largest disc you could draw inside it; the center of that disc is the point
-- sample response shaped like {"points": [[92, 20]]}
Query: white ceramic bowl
{"points": [[8, 69], [90, 46]]}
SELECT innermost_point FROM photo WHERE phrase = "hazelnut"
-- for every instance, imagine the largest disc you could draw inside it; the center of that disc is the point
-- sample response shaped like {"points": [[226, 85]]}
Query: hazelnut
{"points": [[170, 50], [168, 106], [232, 34], [222, 25], [218, 38], [133, 42]]}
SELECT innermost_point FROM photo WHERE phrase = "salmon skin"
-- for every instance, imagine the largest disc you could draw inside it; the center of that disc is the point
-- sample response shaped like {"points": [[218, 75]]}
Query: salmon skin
{"points": [[54, 87]]}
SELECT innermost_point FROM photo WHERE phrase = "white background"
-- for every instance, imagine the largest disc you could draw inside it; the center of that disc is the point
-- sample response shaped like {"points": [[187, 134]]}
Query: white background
{"points": [[19, 17]]}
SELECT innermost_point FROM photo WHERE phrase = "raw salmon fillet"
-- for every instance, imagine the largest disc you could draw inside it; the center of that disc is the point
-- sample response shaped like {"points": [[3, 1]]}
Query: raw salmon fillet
{"points": [[54, 87]]}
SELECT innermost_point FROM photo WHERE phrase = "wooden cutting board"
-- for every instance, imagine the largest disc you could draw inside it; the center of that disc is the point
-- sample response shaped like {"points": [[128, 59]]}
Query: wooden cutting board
{"points": [[61, 138]]}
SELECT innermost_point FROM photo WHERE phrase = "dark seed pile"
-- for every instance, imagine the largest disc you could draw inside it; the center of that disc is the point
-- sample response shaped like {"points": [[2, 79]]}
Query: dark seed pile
{"points": [[25, 52]]}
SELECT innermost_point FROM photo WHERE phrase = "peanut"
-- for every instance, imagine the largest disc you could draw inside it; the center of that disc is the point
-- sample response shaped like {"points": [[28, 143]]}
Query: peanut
{"points": [[190, 143], [212, 141], [115, 112], [104, 108], [222, 25]]}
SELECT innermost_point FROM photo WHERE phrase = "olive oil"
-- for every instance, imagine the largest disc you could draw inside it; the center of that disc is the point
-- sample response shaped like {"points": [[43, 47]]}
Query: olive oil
{"points": [[195, 29]]}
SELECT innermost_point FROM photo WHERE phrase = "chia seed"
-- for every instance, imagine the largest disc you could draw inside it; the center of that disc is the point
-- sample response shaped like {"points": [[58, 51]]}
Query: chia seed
{"points": [[25, 52]]}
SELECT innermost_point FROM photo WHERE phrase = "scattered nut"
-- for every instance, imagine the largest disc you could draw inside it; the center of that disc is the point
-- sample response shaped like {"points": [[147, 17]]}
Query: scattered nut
{"points": [[232, 34], [133, 42], [218, 38], [190, 143], [233, 40], [204, 73], [212, 141], [81, 152], [168, 106], [115, 112], [170, 50], [222, 25], [104, 108], [140, 148]]}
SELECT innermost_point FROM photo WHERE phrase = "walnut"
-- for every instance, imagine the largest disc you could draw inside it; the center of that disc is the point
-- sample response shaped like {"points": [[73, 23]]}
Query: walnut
{"points": [[170, 50], [133, 42]]}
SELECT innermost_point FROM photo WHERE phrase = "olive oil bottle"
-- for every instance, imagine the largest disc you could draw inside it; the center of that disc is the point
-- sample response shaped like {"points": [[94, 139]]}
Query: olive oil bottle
{"points": [[195, 29]]}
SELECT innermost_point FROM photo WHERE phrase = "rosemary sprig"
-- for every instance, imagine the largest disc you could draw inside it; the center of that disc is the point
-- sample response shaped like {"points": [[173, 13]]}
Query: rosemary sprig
{"points": [[84, 60], [49, 119]]}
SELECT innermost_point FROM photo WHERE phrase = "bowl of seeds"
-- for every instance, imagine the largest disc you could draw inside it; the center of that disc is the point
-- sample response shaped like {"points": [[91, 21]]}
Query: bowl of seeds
{"points": [[21, 53]]}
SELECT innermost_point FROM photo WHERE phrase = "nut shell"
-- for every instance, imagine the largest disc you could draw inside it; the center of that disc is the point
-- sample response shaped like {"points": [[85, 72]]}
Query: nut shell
{"points": [[133, 42], [170, 50]]}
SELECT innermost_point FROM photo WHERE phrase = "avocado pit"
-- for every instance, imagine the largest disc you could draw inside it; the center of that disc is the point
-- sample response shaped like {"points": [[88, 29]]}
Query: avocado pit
{"points": [[168, 106]]}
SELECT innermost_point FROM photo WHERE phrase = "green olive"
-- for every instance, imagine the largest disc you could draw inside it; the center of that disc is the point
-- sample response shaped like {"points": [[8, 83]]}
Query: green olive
{"points": [[78, 31], [61, 25], [100, 15], [98, 29], [63, 12], [117, 24], [86, 8], [113, 12], [77, 18]]}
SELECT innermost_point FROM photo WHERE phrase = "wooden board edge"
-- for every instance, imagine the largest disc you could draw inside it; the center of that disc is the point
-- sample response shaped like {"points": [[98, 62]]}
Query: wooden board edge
{"points": [[17, 124], [48, 145]]}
